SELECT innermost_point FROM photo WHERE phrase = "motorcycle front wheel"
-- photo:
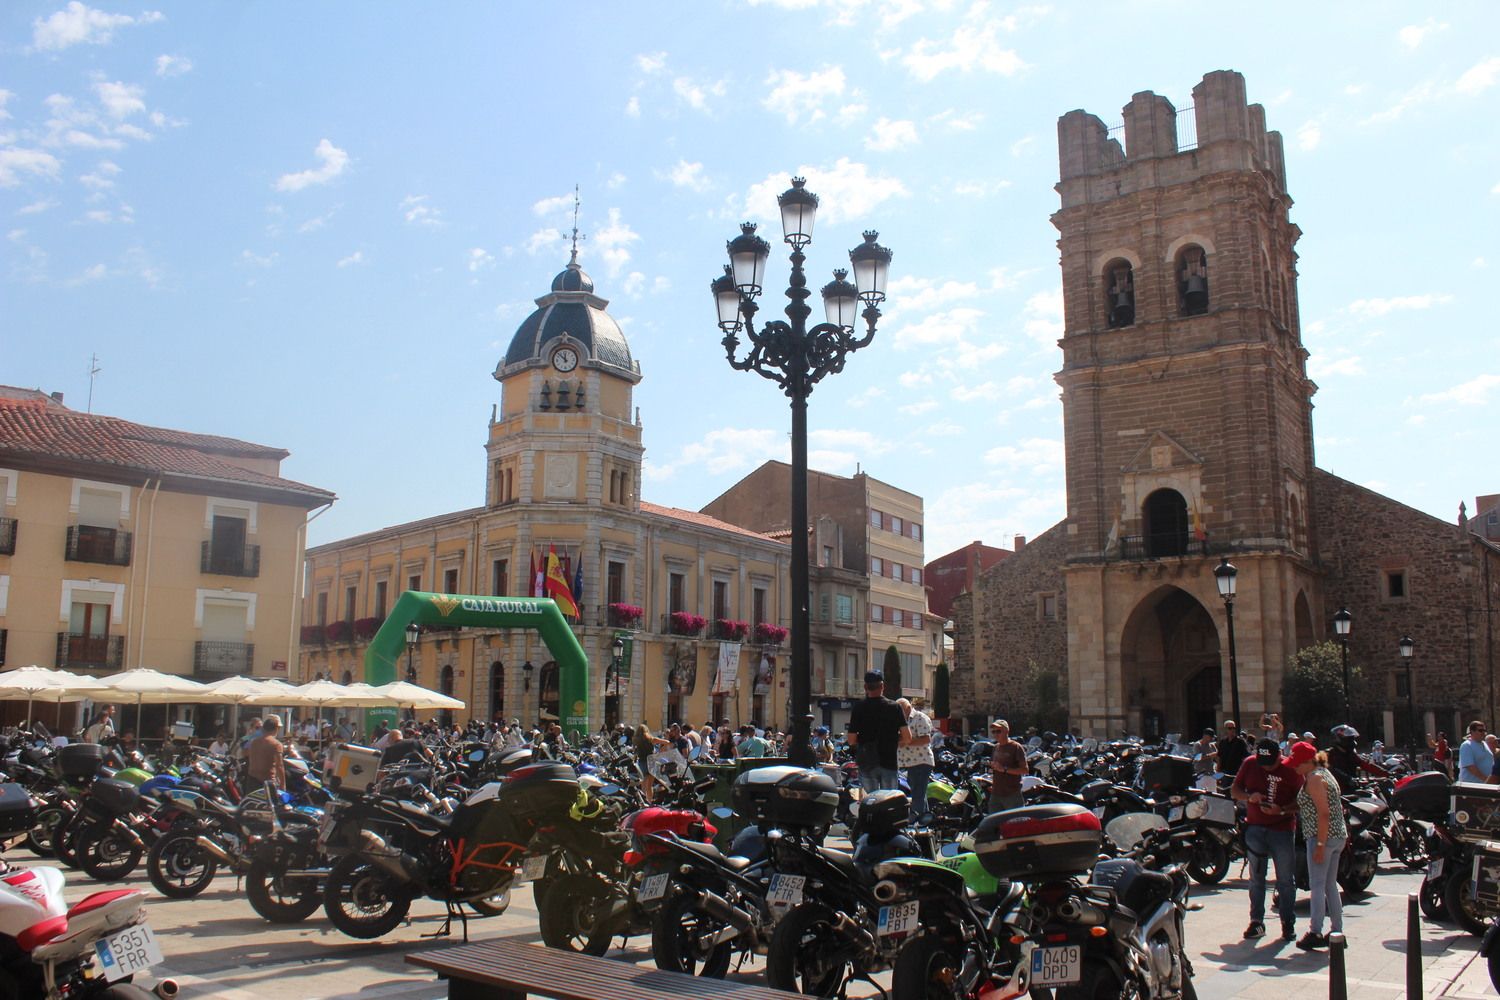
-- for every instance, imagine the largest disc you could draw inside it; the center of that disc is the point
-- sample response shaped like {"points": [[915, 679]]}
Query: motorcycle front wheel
{"points": [[572, 915], [1210, 860], [1432, 898], [679, 940], [1411, 846], [1361, 872], [110, 857], [801, 958], [1463, 909], [362, 900], [178, 867], [281, 899], [48, 820], [929, 968]]}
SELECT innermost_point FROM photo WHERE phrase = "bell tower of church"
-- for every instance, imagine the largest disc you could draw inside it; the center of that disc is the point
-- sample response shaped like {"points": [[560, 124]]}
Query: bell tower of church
{"points": [[1187, 411]]}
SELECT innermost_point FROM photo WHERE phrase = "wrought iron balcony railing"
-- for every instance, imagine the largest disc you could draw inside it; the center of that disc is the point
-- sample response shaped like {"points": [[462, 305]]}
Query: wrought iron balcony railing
{"points": [[226, 658], [88, 543], [225, 560], [1135, 547], [100, 652]]}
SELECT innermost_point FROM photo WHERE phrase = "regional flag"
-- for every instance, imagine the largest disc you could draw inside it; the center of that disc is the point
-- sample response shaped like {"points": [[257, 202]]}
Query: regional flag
{"points": [[531, 577], [557, 585], [538, 576]]}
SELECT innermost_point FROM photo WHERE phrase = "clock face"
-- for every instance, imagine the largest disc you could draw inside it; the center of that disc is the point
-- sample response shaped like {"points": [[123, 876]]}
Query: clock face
{"points": [[565, 359]]}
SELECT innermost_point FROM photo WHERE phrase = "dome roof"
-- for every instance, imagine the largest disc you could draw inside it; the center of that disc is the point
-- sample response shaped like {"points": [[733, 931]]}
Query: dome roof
{"points": [[573, 312]]}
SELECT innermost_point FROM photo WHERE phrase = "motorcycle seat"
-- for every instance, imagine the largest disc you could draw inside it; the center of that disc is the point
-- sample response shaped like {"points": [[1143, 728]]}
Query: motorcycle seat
{"points": [[1139, 888], [712, 853], [99, 900], [39, 934], [843, 862]]}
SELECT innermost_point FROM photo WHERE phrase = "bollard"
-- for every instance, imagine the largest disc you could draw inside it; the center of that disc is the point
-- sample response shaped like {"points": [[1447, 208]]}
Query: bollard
{"points": [[1338, 982], [1413, 948]]}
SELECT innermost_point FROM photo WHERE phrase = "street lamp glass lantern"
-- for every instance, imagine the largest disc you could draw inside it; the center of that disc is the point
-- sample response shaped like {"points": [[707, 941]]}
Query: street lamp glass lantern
{"points": [[1406, 647], [727, 298], [1342, 622], [798, 208], [840, 299], [619, 648], [1224, 575], [747, 259], [872, 265], [413, 632]]}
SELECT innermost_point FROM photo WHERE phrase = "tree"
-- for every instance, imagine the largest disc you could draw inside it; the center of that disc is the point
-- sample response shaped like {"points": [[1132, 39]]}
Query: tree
{"points": [[892, 671], [1312, 690], [1049, 694], [940, 705]]}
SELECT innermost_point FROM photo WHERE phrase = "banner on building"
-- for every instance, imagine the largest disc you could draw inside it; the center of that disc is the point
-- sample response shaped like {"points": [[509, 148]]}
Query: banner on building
{"points": [[726, 671], [682, 675], [764, 674]]}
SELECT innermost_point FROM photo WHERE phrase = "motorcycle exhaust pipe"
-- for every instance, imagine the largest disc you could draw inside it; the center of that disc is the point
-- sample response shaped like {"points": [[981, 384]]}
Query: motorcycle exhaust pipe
{"points": [[719, 908], [847, 927], [166, 989], [885, 890], [382, 854], [1073, 911], [208, 846]]}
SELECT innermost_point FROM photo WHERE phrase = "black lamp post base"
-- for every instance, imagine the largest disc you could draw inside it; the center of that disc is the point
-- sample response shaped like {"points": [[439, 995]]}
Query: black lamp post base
{"points": [[799, 752]]}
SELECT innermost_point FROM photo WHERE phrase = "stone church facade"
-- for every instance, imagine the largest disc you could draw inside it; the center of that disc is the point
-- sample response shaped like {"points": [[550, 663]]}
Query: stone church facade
{"points": [[1187, 416]]}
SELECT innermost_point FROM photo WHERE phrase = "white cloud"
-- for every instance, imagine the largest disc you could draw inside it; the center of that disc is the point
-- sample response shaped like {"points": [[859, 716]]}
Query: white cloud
{"points": [[651, 62], [851, 113], [1044, 317], [1413, 35], [1479, 77], [695, 94], [317, 222], [77, 24], [796, 95], [256, 260], [953, 121], [1475, 392], [865, 397], [917, 409], [633, 107], [786, 4], [614, 242], [417, 212], [16, 161], [887, 135], [947, 327], [333, 162], [173, 65], [5, 96], [543, 239], [1309, 136], [36, 207], [987, 510], [357, 257], [616, 181], [1471, 83], [728, 450], [945, 428], [1032, 456], [979, 189], [1373, 308], [846, 191], [1335, 363], [686, 175], [661, 283], [102, 179], [556, 203], [1020, 145], [633, 283], [909, 293], [973, 46], [480, 259]]}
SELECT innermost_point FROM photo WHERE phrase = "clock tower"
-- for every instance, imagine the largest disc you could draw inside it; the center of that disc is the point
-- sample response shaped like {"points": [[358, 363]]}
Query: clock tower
{"points": [[564, 432]]}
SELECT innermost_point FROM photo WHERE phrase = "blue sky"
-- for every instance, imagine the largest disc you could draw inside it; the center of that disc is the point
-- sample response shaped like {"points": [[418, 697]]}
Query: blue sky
{"points": [[317, 226]]}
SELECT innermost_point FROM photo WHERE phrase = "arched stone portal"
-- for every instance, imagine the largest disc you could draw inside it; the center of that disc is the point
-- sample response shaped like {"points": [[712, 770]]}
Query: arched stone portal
{"points": [[1169, 665]]}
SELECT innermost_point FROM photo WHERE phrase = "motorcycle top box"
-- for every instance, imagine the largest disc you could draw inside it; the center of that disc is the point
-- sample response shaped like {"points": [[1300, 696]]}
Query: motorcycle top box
{"points": [[1476, 811], [1167, 774], [540, 791], [115, 797], [1422, 797], [884, 811], [788, 798], [17, 810], [353, 770], [1051, 839], [80, 761]]}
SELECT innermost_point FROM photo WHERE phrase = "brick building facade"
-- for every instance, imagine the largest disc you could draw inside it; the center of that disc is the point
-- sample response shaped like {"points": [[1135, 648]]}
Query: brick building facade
{"points": [[1188, 432]]}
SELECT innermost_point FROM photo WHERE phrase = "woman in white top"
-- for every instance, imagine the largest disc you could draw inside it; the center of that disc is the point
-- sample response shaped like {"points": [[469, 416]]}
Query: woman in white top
{"points": [[915, 755]]}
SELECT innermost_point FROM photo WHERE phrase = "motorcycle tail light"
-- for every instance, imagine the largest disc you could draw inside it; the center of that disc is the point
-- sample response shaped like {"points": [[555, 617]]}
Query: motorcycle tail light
{"points": [[1054, 938], [1017, 938], [1098, 932], [633, 858]]}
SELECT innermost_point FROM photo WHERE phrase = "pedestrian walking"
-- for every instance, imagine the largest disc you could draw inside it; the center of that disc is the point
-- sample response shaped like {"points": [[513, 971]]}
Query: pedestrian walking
{"points": [[1232, 749], [103, 726], [1321, 813], [1442, 755], [1007, 767], [1270, 787], [1475, 762], [876, 729], [265, 756], [915, 755]]}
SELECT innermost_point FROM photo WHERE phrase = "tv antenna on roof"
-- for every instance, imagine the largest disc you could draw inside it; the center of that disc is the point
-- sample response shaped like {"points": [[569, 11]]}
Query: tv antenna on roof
{"points": [[94, 370]]}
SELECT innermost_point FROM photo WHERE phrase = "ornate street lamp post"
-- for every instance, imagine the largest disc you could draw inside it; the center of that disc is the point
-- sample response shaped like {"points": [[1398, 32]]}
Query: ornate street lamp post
{"points": [[1342, 622], [1224, 576], [1407, 648], [616, 661], [413, 633], [797, 358]]}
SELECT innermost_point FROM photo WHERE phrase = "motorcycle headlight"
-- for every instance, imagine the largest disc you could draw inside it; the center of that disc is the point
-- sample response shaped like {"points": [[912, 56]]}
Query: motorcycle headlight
{"points": [[1196, 809]]}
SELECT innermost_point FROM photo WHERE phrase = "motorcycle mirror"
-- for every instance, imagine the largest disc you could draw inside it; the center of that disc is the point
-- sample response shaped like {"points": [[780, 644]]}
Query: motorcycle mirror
{"points": [[950, 850], [722, 812], [610, 790]]}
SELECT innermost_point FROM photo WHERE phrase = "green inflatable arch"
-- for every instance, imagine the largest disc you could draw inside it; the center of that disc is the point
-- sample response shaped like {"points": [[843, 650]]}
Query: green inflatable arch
{"points": [[537, 613]]}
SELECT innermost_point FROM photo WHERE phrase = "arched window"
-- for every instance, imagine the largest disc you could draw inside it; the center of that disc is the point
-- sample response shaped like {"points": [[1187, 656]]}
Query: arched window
{"points": [[1192, 281], [1166, 524], [497, 690], [1119, 293]]}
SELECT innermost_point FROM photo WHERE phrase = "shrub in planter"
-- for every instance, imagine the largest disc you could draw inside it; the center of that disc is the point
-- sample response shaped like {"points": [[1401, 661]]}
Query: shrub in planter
{"points": [[770, 634], [685, 623], [730, 630]]}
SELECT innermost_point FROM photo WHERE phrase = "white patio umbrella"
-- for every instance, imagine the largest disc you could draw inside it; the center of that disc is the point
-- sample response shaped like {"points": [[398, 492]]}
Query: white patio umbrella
{"points": [[362, 695], [35, 682], [405, 694], [147, 685]]}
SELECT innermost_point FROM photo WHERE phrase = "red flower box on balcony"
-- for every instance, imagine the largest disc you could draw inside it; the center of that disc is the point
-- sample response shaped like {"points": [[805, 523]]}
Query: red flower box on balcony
{"points": [[365, 628], [625, 615], [685, 623], [312, 635], [731, 631], [338, 631], [769, 634]]}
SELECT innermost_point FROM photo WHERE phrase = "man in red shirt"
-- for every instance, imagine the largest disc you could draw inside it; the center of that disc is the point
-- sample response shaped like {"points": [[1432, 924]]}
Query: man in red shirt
{"points": [[1270, 787]]}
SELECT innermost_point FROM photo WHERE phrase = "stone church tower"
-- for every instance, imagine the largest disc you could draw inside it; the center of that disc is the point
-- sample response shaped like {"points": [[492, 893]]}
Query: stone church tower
{"points": [[1187, 412]]}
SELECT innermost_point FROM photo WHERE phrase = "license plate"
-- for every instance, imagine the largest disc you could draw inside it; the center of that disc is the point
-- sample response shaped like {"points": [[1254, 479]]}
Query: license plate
{"points": [[898, 919], [127, 952], [1175, 813], [1060, 966], [786, 890], [532, 868], [654, 887], [1435, 869]]}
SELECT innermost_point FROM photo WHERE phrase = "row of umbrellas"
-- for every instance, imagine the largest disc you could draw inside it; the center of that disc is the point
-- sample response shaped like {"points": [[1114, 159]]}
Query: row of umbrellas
{"points": [[145, 686]]}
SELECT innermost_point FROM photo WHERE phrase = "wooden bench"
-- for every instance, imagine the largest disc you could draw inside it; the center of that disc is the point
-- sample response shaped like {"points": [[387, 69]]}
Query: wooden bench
{"points": [[510, 970]]}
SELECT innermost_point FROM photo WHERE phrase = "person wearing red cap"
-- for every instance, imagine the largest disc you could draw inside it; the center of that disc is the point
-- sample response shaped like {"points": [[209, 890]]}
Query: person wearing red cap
{"points": [[1270, 787], [1322, 814]]}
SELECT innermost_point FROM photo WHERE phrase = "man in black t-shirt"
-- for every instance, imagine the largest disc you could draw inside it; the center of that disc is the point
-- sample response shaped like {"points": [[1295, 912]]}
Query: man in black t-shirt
{"points": [[1232, 749], [877, 726]]}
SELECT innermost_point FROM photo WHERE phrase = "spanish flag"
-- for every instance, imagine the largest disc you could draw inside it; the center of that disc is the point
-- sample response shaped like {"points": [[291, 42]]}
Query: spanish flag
{"points": [[557, 585]]}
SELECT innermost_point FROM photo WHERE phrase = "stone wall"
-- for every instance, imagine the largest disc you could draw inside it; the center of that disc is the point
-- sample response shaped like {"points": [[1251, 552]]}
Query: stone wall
{"points": [[1000, 632]]}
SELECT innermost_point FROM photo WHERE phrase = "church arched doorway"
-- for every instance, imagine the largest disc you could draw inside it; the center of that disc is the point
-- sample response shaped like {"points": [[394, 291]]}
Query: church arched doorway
{"points": [[1170, 664], [1166, 523]]}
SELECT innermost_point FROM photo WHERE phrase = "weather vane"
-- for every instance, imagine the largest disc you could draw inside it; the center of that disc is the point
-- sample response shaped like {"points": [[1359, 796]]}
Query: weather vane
{"points": [[576, 237]]}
